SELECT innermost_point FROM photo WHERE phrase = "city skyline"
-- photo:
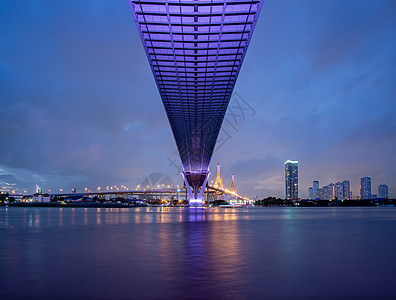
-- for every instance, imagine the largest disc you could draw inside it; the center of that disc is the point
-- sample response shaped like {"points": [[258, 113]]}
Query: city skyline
{"points": [[82, 108], [342, 190]]}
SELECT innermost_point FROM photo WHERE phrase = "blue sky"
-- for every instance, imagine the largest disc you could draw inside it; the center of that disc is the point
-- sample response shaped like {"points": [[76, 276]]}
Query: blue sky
{"points": [[80, 107]]}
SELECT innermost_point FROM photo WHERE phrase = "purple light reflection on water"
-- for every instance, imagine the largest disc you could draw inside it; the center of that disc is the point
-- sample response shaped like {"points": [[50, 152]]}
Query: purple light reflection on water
{"points": [[201, 253]]}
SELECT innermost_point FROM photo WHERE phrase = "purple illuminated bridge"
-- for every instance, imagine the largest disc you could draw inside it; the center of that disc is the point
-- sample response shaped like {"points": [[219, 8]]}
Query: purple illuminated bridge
{"points": [[195, 50]]}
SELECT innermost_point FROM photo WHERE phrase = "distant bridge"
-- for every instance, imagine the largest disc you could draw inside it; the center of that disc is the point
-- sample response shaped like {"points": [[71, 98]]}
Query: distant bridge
{"points": [[210, 194]]}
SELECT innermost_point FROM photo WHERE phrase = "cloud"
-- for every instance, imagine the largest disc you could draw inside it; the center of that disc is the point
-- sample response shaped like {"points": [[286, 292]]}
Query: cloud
{"points": [[81, 108]]}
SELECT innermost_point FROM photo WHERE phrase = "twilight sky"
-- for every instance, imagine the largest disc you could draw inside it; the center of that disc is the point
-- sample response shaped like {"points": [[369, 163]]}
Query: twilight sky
{"points": [[80, 108]]}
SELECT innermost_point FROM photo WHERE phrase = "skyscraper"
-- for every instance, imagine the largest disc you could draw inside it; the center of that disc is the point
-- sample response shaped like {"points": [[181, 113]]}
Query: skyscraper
{"points": [[310, 193], [365, 188], [346, 187], [383, 191], [315, 189], [331, 191], [291, 179], [339, 192]]}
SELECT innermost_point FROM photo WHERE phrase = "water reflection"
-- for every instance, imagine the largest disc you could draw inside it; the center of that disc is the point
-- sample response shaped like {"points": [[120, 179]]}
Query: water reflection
{"points": [[178, 253], [98, 217], [197, 252], [61, 216], [85, 216]]}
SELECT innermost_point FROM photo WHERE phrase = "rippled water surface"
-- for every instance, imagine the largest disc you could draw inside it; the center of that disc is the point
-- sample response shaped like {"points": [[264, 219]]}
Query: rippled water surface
{"points": [[213, 253]]}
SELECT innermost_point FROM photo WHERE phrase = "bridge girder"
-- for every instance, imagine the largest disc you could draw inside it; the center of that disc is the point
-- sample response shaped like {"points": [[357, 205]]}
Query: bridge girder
{"points": [[195, 50]]}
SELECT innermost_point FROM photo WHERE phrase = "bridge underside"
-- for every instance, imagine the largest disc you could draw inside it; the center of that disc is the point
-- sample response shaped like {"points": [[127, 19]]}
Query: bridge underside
{"points": [[195, 50]]}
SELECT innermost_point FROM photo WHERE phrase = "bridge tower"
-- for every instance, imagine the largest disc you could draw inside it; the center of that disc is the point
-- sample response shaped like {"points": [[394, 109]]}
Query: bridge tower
{"points": [[233, 186], [219, 179]]}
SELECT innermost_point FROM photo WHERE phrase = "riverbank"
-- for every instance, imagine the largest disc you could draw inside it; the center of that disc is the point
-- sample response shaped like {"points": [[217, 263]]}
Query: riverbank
{"points": [[70, 204]]}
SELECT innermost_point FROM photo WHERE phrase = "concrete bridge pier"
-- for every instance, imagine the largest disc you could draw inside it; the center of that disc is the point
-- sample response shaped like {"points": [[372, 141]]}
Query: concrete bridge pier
{"points": [[195, 186]]}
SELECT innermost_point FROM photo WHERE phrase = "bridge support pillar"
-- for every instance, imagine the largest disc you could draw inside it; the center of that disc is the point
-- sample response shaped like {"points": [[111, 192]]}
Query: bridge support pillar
{"points": [[194, 194]]}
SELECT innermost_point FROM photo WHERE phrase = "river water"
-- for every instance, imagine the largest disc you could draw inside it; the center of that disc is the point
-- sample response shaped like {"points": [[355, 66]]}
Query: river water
{"points": [[210, 253]]}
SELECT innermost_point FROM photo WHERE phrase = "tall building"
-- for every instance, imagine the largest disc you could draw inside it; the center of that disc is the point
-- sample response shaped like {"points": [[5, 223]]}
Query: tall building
{"points": [[365, 188], [327, 193], [310, 193], [383, 191], [346, 187], [291, 179], [339, 192], [331, 191], [315, 189], [321, 193]]}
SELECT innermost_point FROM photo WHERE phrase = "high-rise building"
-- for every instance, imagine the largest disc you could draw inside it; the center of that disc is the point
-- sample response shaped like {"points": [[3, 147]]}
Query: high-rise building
{"points": [[325, 193], [321, 193], [315, 189], [331, 191], [383, 191], [365, 188], [291, 179], [346, 187], [339, 192], [310, 193]]}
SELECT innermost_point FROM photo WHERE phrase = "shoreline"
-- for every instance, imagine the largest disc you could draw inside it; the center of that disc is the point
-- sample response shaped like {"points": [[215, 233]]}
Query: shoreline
{"points": [[126, 205]]}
